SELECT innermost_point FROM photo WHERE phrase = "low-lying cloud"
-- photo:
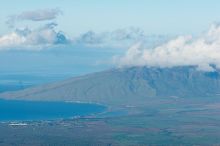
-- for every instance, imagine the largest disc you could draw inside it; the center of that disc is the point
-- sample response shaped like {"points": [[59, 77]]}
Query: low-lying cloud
{"points": [[37, 39], [36, 15], [120, 38], [31, 39], [43, 37], [202, 51]]}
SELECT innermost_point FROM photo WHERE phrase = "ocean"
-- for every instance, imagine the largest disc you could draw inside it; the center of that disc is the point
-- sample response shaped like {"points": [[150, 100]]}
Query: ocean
{"points": [[13, 110]]}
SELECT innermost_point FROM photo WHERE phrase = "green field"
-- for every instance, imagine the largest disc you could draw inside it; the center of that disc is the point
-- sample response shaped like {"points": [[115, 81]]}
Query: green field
{"points": [[170, 123]]}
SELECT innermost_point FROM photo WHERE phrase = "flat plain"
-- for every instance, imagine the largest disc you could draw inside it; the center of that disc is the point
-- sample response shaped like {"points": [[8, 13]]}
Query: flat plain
{"points": [[196, 122]]}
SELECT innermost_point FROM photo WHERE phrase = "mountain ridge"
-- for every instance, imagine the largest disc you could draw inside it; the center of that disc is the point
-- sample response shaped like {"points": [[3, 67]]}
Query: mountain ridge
{"points": [[124, 86]]}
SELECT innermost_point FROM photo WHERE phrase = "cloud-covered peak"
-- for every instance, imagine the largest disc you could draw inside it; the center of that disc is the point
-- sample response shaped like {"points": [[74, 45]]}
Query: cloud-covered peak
{"points": [[202, 51]]}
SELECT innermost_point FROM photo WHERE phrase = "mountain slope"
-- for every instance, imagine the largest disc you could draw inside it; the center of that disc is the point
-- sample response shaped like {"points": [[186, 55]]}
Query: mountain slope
{"points": [[135, 85]]}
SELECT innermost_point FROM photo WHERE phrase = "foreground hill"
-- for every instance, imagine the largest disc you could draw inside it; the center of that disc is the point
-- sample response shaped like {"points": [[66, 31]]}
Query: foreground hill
{"points": [[136, 85]]}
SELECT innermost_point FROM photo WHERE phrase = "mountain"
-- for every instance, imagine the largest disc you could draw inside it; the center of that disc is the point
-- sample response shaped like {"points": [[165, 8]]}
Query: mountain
{"points": [[125, 86]]}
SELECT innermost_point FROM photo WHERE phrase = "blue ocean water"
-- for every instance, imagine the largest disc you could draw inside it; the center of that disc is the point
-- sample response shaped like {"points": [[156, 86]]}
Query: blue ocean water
{"points": [[32, 110]]}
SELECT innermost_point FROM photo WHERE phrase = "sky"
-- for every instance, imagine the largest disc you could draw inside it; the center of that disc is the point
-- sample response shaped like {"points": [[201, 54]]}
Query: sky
{"points": [[154, 16], [79, 37]]}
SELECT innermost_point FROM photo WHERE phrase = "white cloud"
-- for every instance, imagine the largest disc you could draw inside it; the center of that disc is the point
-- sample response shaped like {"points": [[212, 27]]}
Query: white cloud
{"points": [[121, 38], [46, 36], [37, 15], [32, 39], [202, 51]]}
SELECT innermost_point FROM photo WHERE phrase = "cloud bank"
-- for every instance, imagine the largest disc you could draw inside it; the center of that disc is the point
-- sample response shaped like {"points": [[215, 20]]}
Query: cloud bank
{"points": [[37, 15], [120, 38], [33, 39], [37, 39], [202, 51], [43, 37]]}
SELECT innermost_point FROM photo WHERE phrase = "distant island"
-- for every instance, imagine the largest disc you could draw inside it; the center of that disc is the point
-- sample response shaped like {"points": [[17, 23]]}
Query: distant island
{"points": [[134, 86]]}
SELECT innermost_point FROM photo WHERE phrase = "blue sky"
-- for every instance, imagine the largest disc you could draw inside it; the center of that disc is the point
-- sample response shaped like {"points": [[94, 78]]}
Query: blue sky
{"points": [[78, 37], [154, 16]]}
